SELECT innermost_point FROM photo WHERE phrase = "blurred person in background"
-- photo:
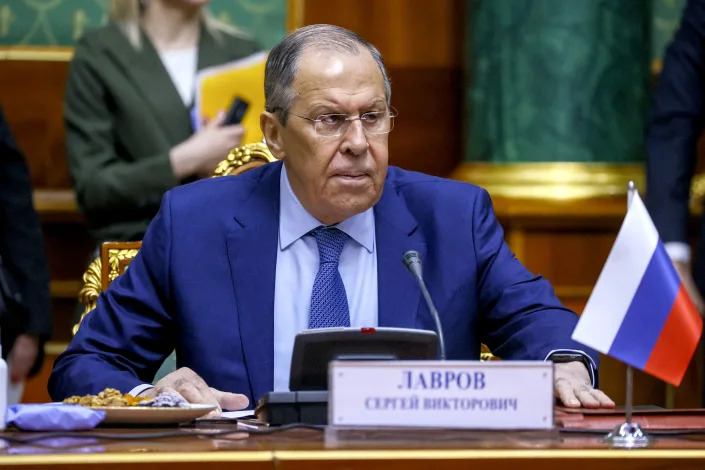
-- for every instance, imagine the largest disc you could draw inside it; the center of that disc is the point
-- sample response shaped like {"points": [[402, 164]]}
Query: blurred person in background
{"points": [[25, 313], [129, 125], [675, 124]]}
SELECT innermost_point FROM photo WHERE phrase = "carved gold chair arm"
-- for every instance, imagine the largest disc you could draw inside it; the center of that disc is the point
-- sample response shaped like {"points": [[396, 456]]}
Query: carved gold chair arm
{"points": [[244, 158], [118, 258], [88, 295], [113, 260]]}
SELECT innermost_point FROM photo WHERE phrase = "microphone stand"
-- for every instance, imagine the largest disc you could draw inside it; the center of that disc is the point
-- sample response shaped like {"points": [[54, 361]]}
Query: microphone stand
{"points": [[412, 261]]}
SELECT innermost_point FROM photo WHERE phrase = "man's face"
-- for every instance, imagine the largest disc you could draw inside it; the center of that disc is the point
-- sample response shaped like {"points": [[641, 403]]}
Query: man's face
{"points": [[335, 177]]}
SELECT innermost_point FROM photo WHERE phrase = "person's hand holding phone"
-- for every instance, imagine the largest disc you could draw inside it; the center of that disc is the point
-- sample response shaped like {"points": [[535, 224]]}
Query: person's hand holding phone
{"points": [[200, 154], [237, 111]]}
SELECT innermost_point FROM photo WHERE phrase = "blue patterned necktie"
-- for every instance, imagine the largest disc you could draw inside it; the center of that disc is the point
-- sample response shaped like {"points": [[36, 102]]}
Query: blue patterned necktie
{"points": [[329, 304]]}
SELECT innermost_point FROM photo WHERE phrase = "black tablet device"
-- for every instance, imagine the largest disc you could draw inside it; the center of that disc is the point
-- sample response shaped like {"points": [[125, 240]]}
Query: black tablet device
{"points": [[314, 349]]}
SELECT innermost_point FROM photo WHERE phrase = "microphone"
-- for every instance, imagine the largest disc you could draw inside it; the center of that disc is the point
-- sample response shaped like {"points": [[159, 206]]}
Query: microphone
{"points": [[412, 261]]}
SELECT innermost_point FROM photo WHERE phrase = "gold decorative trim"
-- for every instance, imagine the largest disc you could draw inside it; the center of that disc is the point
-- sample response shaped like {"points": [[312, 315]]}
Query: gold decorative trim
{"points": [[243, 158], [477, 454], [342, 455], [552, 180], [46, 54], [88, 295], [126, 458], [117, 257]]}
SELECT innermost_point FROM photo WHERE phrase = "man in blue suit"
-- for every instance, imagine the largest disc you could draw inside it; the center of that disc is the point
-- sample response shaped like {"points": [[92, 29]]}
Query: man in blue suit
{"points": [[232, 268]]}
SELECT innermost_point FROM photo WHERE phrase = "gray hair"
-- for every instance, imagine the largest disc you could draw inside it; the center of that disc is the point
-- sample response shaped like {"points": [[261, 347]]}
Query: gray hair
{"points": [[283, 62]]}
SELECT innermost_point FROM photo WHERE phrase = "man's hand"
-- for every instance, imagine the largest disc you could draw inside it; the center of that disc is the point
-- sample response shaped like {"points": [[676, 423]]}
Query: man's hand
{"points": [[22, 357], [189, 385], [686, 275], [572, 386]]}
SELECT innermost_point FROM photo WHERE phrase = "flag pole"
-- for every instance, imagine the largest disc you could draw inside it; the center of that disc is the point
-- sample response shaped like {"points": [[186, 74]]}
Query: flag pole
{"points": [[629, 435]]}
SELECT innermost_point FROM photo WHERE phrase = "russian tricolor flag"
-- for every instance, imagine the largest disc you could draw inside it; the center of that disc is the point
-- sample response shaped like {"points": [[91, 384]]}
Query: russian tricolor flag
{"points": [[639, 312]]}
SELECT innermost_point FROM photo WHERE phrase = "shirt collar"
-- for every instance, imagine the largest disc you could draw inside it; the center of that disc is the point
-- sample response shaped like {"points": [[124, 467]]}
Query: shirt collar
{"points": [[295, 221]]}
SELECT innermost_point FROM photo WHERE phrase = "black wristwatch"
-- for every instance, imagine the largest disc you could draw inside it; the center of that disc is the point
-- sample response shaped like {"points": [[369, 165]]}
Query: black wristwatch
{"points": [[561, 357]]}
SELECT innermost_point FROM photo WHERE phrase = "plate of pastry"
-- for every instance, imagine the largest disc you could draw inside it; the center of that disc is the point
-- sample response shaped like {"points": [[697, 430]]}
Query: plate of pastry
{"points": [[165, 408]]}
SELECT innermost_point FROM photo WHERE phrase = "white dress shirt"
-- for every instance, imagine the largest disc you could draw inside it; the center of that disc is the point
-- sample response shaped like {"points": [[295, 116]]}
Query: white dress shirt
{"points": [[297, 265]]}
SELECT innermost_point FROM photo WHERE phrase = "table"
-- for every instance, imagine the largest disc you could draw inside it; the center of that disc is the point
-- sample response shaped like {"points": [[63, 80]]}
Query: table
{"points": [[352, 449]]}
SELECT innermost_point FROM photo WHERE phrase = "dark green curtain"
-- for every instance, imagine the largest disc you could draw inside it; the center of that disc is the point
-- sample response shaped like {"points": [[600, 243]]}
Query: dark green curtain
{"points": [[557, 80]]}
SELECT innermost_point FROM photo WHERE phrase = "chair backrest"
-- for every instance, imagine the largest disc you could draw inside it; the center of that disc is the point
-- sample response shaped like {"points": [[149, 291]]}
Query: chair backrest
{"points": [[113, 261], [244, 158], [115, 257]]}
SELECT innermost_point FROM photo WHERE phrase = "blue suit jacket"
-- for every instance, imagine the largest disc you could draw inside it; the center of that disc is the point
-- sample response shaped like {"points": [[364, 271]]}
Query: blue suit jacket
{"points": [[203, 283]]}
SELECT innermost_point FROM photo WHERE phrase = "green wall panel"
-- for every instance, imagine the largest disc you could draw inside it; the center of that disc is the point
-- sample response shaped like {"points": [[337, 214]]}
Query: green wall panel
{"points": [[557, 80], [61, 22]]}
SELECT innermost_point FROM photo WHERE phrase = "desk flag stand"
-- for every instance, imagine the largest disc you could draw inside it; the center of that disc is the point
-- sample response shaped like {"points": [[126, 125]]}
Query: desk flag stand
{"points": [[628, 435]]}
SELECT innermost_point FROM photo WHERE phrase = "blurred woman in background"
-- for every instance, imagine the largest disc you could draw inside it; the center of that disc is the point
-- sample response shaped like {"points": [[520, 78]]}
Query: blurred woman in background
{"points": [[25, 310], [128, 110]]}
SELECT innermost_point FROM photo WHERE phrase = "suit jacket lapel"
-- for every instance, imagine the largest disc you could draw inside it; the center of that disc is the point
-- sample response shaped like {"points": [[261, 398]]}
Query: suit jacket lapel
{"points": [[210, 53], [252, 252], [396, 232], [150, 78]]}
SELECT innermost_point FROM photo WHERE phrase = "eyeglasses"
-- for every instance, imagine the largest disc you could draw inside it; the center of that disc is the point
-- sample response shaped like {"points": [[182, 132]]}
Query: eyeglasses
{"points": [[335, 125]]}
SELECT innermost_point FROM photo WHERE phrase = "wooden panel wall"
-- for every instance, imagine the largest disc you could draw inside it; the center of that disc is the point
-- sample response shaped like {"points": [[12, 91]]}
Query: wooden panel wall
{"points": [[31, 93], [422, 45]]}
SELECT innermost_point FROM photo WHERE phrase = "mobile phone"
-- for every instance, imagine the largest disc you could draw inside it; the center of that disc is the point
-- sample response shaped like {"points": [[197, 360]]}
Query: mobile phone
{"points": [[237, 111]]}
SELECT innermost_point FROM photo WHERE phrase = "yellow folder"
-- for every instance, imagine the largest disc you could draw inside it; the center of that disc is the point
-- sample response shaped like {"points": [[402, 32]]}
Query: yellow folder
{"points": [[218, 86]]}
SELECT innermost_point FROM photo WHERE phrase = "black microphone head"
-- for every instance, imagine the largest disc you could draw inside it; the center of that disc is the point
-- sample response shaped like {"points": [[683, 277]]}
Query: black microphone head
{"points": [[412, 261]]}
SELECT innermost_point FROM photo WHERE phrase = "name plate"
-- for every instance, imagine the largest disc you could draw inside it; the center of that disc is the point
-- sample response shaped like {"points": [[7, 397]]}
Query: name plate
{"points": [[448, 394]]}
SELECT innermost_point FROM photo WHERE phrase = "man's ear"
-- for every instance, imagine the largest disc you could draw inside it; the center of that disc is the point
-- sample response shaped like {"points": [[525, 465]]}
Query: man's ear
{"points": [[272, 131]]}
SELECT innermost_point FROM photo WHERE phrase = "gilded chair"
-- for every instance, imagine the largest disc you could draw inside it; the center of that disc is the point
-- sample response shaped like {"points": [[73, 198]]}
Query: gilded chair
{"points": [[113, 260], [244, 158]]}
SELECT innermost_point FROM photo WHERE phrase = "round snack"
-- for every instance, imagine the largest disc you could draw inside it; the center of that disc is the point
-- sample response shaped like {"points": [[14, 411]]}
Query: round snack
{"points": [[108, 397]]}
